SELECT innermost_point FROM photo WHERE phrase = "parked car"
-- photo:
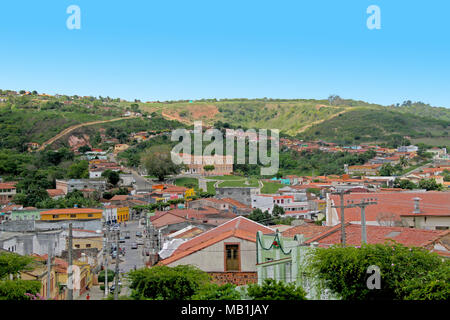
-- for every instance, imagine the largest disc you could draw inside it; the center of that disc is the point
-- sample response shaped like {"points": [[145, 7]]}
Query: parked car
{"points": [[138, 234], [140, 242], [134, 245], [122, 240], [127, 235]]}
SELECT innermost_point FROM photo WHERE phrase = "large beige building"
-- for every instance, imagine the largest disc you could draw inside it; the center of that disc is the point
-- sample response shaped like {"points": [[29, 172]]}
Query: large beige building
{"points": [[223, 165]]}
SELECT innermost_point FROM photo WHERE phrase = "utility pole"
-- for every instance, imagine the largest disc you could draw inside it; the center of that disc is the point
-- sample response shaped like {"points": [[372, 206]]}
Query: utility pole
{"points": [[363, 204], [116, 289], [106, 253], [70, 263], [49, 268], [342, 206]]}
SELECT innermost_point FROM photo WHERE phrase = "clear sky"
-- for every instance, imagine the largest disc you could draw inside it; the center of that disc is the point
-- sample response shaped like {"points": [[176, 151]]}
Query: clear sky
{"points": [[170, 50]]}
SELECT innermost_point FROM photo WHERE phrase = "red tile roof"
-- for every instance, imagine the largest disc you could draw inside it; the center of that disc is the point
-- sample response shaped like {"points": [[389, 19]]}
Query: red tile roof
{"points": [[119, 197], [380, 234], [397, 203], [55, 192], [7, 185], [235, 203], [309, 230], [238, 227]]}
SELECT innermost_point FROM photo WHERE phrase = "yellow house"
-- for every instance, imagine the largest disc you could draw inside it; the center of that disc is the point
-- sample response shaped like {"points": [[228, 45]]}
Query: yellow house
{"points": [[71, 214], [123, 214], [40, 273], [117, 213]]}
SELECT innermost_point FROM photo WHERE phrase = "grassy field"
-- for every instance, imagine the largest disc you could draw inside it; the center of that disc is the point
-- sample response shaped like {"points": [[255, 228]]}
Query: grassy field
{"points": [[271, 187], [187, 182], [252, 183], [210, 187], [437, 141]]}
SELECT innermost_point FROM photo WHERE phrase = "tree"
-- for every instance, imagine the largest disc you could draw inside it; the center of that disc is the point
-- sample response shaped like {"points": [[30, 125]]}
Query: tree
{"points": [[430, 184], [18, 289], [344, 269], [166, 283], [209, 168], [387, 170], [11, 264], [79, 170], [275, 290], [158, 162], [101, 275], [277, 211], [404, 184], [84, 149], [113, 177], [259, 216], [212, 291]]}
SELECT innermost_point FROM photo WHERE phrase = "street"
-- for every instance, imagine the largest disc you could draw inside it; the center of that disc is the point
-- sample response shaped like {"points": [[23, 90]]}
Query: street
{"points": [[132, 257]]}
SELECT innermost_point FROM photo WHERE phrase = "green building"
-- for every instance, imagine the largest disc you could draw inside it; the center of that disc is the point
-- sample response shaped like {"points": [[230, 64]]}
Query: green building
{"points": [[25, 214], [286, 259]]}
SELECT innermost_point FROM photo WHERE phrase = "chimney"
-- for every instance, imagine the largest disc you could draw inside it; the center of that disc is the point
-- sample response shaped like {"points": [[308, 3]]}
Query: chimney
{"points": [[416, 205]]}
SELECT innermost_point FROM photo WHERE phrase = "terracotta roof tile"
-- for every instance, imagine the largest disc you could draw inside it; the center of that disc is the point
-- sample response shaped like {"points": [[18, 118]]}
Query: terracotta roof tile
{"points": [[240, 227], [397, 203], [380, 234]]}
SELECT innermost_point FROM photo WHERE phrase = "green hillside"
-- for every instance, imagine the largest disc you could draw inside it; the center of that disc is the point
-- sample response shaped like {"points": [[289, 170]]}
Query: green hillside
{"points": [[378, 125]]}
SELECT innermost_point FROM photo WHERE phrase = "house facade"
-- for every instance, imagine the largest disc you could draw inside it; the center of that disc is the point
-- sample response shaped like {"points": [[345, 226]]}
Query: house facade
{"points": [[226, 252]]}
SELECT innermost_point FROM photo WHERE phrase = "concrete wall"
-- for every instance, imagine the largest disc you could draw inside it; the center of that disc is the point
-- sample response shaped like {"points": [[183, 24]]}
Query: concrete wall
{"points": [[241, 194], [429, 222]]}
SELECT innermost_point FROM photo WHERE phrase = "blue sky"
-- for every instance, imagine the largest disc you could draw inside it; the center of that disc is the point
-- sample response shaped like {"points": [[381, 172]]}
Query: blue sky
{"points": [[169, 50]]}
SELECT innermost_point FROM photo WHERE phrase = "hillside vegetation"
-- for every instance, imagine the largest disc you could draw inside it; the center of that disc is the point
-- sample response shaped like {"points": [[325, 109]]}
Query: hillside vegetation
{"points": [[377, 125], [342, 121]]}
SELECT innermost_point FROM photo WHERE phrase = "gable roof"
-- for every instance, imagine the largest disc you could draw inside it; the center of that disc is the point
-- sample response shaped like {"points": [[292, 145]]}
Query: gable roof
{"points": [[397, 203], [239, 227], [308, 230], [379, 234]]}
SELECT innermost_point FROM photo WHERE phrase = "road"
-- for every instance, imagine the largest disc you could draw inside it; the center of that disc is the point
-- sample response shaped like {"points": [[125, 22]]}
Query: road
{"points": [[141, 182], [133, 257], [70, 129]]}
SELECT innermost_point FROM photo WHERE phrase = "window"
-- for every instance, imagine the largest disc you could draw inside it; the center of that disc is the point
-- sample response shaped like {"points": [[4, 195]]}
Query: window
{"points": [[55, 216], [73, 215], [90, 215], [88, 245], [77, 246], [441, 228], [232, 257]]}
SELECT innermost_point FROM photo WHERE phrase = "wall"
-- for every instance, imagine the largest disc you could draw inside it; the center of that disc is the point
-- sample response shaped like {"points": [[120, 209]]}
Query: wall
{"points": [[237, 278], [241, 194], [211, 259]]}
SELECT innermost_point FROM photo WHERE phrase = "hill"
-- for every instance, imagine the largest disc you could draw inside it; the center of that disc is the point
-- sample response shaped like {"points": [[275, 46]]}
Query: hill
{"points": [[37, 118], [379, 125]]}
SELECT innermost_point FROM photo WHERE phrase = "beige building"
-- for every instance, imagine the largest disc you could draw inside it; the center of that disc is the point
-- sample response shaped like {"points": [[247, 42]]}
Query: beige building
{"points": [[223, 165]]}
